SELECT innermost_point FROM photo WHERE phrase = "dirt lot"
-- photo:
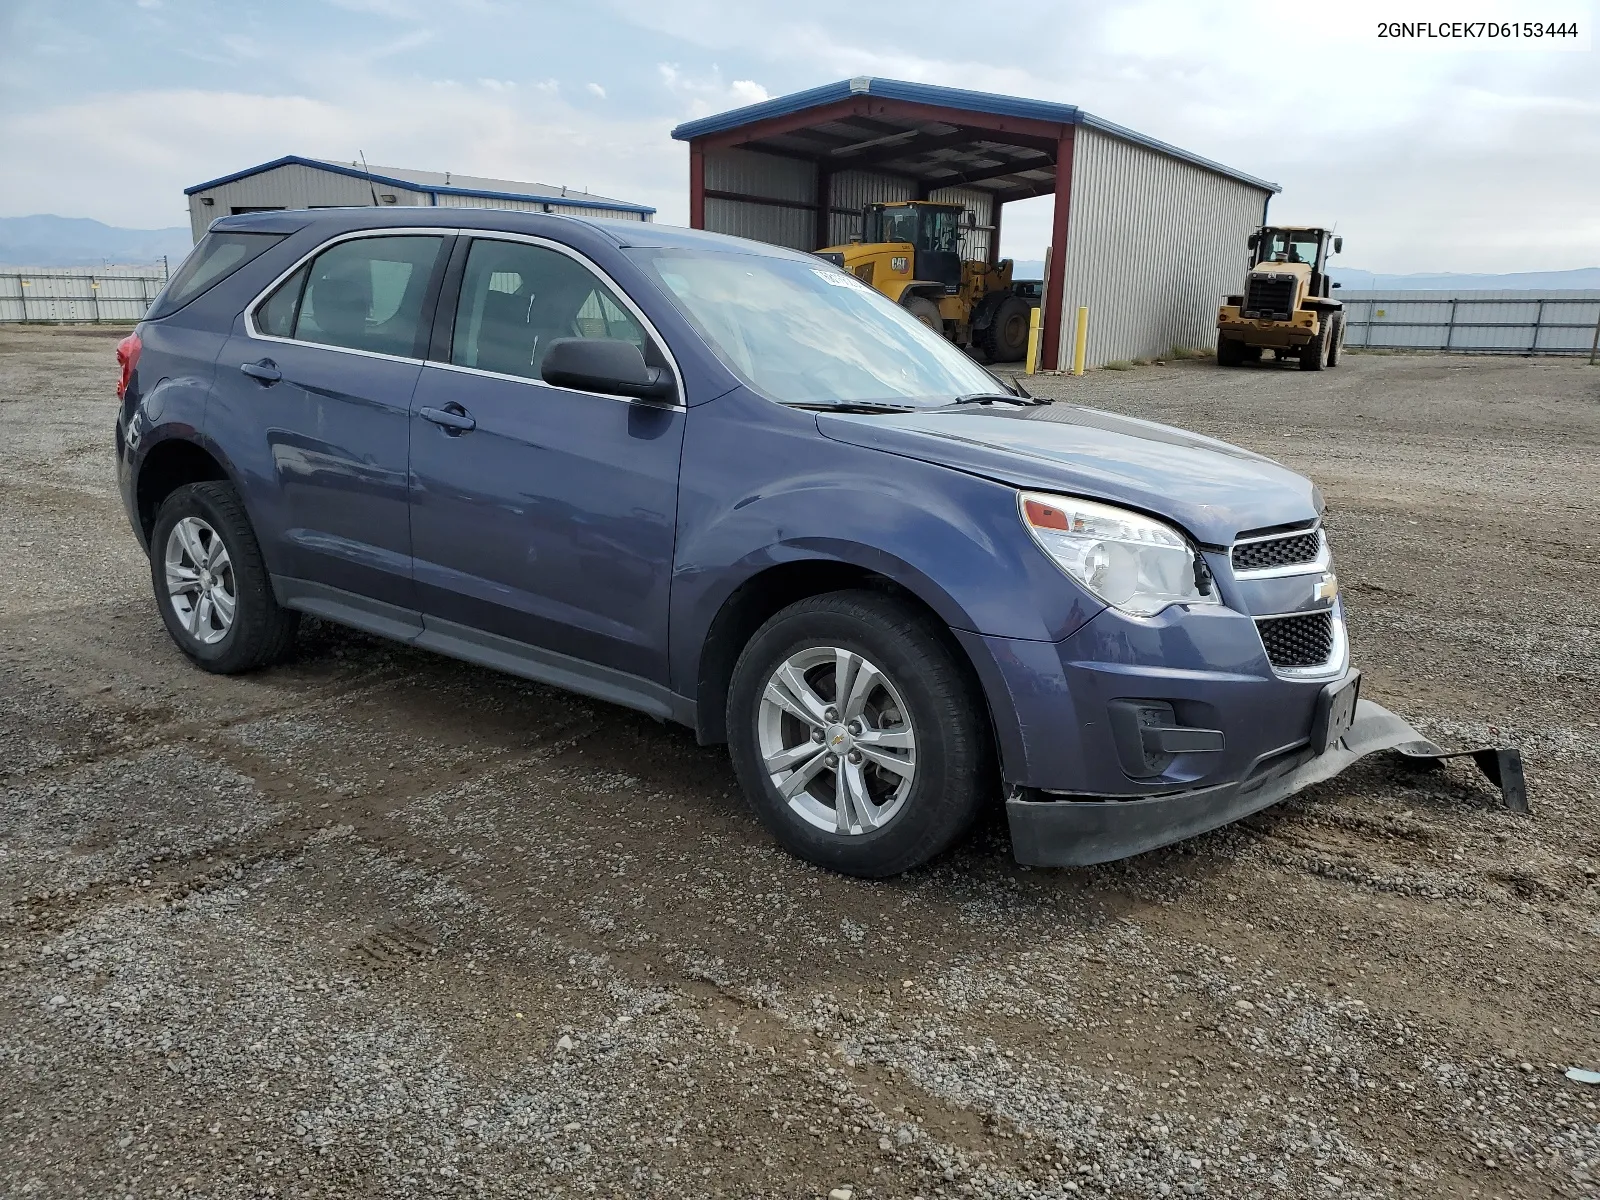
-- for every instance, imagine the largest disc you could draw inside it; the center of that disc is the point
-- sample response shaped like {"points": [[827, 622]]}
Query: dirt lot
{"points": [[379, 924]]}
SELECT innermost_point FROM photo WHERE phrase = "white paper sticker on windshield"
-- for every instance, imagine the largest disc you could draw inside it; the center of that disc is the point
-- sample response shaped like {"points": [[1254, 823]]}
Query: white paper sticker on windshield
{"points": [[837, 278]]}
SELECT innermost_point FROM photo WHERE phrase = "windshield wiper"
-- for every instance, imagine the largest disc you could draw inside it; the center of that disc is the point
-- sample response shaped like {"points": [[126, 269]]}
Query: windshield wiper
{"points": [[851, 406], [991, 398]]}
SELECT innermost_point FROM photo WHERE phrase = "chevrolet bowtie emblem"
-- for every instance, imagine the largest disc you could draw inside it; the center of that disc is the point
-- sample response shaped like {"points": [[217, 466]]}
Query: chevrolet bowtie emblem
{"points": [[1328, 588]]}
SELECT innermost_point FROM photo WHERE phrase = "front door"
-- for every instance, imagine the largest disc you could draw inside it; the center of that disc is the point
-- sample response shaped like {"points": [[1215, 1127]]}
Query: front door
{"points": [[541, 517], [322, 387]]}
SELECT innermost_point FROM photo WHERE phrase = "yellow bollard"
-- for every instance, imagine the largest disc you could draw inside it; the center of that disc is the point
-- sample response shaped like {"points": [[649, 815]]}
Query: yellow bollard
{"points": [[1080, 347], [1033, 342]]}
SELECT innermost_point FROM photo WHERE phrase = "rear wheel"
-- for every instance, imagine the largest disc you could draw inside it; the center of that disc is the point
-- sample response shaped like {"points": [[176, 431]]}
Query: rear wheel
{"points": [[856, 735], [1314, 354], [1006, 338], [924, 310], [1230, 352], [211, 583]]}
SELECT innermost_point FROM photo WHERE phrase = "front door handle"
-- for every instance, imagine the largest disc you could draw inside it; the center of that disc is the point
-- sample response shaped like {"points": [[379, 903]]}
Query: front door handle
{"points": [[454, 419], [266, 371]]}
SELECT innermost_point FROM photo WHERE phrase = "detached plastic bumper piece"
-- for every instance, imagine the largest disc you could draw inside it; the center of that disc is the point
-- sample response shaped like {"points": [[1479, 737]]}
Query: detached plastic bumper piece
{"points": [[1076, 832]]}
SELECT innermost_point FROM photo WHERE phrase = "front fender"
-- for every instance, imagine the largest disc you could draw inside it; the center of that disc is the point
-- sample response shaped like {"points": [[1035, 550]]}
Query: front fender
{"points": [[761, 487]]}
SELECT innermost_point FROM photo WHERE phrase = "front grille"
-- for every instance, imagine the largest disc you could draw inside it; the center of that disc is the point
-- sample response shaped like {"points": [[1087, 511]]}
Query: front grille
{"points": [[1278, 552], [1303, 640], [1270, 297]]}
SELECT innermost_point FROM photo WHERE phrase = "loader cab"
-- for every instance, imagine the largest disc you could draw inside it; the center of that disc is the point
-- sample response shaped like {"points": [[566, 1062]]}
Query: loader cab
{"points": [[933, 230], [1296, 244]]}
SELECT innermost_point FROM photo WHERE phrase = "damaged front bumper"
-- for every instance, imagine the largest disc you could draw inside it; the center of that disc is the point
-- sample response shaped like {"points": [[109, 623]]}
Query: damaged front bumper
{"points": [[1071, 832]]}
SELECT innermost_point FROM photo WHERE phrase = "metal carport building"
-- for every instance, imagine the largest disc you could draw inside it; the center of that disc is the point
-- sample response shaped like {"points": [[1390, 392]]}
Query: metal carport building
{"points": [[1147, 236]]}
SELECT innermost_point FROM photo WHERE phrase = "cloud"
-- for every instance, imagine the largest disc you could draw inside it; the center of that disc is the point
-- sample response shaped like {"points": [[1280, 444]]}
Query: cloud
{"points": [[594, 89], [62, 157], [702, 95]]}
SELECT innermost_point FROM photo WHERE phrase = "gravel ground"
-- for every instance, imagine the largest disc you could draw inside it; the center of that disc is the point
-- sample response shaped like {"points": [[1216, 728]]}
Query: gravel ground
{"points": [[380, 924]]}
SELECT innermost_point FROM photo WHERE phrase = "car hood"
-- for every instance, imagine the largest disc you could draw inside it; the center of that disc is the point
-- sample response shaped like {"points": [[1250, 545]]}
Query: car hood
{"points": [[1213, 490]]}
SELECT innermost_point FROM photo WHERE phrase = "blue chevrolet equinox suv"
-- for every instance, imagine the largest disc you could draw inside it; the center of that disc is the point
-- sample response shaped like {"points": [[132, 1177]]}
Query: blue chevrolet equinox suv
{"points": [[731, 486]]}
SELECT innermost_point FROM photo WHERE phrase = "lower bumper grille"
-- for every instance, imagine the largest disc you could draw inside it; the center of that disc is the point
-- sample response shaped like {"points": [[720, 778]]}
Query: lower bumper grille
{"points": [[1301, 640]]}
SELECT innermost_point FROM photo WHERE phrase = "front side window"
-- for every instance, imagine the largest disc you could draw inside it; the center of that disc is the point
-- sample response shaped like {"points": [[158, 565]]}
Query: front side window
{"points": [[365, 294], [801, 332], [517, 298]]}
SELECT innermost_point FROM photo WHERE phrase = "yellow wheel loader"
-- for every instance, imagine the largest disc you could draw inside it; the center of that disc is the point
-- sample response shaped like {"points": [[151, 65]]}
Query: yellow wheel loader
{"points": [[1285, 306], [911, 252]]}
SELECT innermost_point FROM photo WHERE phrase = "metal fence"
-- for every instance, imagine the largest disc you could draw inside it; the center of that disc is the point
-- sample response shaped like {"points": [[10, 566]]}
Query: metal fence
{"points": [[1473, 322], [78, 295]]}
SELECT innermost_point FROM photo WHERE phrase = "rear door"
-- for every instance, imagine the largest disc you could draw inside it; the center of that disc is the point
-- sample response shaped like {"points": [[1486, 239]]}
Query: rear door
{"points": [[542, 518], [318, 380]]}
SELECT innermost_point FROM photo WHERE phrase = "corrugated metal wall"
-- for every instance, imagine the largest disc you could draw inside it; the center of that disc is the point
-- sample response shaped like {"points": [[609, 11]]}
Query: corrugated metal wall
{"points": [[297, 186], [1488, 322], [290, 186], [574, 210], [767, 175], [120, 295], [1153, 245]]}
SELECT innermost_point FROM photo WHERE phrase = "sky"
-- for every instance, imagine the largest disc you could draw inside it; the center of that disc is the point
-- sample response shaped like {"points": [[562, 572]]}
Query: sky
{"points": [[1425, 159]]}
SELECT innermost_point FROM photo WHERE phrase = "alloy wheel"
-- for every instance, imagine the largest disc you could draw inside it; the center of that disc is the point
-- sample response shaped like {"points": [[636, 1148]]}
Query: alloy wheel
{"points": [[836, 740], [200, 582]]}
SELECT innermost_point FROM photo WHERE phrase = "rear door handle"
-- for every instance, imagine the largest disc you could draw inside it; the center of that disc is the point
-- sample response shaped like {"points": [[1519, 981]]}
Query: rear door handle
{"points": [[452, 417], [266, 371]]}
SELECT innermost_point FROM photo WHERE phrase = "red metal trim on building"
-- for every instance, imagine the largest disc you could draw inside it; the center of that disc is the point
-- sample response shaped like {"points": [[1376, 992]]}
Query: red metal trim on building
{"points": [[1055, 285], [697, 186], [1022, 131]]}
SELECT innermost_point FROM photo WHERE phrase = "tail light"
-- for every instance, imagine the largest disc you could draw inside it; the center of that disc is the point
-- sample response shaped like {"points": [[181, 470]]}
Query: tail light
{"points": [[127, 358]]}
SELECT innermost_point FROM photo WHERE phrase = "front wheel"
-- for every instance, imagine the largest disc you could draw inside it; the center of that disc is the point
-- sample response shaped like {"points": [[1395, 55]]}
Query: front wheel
{"points": [[1314, 354], [857, 736], [211, 583], [1336, 340]]}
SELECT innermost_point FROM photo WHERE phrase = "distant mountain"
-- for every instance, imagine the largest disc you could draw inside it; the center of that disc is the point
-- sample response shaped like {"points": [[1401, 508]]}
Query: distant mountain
{"points": [[50, 241], [1583, 278]]}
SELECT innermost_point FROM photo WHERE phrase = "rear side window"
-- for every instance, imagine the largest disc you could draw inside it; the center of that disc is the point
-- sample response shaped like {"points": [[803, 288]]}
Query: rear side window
{"points": [[366, 294], [216, 257]]}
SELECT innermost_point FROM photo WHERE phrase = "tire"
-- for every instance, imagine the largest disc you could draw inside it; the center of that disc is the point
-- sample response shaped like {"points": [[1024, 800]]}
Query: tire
{"points": [[1250, 353], [203, 551], [926, 311], [1314, 354], [1006, 338], [921, 696], [1336, 341], [1230, 352]]}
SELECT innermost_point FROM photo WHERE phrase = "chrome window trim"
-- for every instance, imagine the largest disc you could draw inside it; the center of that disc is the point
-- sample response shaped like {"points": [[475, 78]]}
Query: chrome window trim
{"points": [[616, 290], [1321, 562], [1338, 656], [443, 232], [255, 334]]}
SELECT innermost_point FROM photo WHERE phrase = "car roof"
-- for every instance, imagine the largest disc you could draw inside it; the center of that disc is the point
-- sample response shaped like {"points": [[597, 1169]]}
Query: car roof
{"points": [[647, 234]]}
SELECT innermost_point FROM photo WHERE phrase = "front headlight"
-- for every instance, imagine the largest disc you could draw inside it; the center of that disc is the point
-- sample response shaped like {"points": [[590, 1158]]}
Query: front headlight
{"points": [[1129, 560]]}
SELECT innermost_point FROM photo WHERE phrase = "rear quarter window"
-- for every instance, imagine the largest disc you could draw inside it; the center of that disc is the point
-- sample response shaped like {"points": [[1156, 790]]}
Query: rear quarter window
{"points": [[217, 256]]}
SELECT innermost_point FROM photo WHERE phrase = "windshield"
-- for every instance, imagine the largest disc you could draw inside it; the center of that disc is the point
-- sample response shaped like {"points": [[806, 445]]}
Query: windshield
{"points": [[1281, 245], [805, 332]]}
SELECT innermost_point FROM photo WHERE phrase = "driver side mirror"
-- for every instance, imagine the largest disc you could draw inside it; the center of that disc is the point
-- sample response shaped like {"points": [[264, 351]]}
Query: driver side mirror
{"points": [[1338, 245], [1251, 241], [609, 366], [969, 219]]}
